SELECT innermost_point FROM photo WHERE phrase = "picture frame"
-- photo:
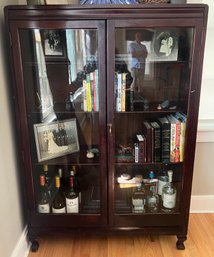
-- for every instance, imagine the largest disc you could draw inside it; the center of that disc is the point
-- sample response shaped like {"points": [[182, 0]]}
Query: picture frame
{"points": [[55, 139], [53, 41], [164, 45]]}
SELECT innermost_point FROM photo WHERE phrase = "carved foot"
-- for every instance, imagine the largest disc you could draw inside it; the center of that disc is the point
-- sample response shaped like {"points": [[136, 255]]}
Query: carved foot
{"points": [[180, 243], [34, 246]]}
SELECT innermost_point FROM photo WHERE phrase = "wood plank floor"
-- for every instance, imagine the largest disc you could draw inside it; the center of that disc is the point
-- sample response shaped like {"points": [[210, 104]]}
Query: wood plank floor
{"points": [[200, 243]]}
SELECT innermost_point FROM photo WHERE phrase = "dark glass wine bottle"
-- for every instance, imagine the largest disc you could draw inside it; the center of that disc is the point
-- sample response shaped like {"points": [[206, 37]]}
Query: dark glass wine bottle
{"points": [[44, 197], [58, 205], [72, 199], [73, 174], [47, 178]]}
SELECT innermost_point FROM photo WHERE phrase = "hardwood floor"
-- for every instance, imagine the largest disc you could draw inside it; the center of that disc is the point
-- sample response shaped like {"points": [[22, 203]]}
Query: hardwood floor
{"points": [[200, 243]]}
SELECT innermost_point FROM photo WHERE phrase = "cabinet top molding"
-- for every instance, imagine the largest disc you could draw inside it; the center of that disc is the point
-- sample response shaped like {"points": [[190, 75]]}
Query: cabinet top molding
{"points": [[59, 12]]}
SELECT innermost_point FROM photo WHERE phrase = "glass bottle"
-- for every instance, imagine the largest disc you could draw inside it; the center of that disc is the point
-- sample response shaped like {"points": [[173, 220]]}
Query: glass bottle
{"points": [[58, 205], [162, 180], [47, 178], [72, 199], [73, 173], [138, 199], [169, 195], [152, 198], [44, 197]]}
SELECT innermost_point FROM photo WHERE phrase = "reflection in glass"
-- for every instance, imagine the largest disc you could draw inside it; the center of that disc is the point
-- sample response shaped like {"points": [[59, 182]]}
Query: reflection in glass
{"points": [[157, 59], [44, 94]]}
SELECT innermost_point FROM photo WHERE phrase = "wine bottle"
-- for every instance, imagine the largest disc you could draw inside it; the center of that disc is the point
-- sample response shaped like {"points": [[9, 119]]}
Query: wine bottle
{"points": [[44, 197], [72, 199], [47, 178], [58, 205], [77, 188], [169, 195]]}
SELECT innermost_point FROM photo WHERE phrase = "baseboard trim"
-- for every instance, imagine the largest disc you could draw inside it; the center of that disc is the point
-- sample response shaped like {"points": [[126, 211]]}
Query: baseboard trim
{"points": [[22, 247], [202, 204], [205, 133]]}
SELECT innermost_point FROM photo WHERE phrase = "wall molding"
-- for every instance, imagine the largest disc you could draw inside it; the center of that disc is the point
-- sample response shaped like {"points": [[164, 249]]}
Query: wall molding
{"points": [[22, 247], [202, 204], [205, 133]]}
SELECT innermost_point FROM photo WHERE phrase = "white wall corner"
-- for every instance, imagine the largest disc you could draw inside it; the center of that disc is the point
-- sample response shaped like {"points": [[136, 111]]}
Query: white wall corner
{"points": [[22, 247], [202, 204]]}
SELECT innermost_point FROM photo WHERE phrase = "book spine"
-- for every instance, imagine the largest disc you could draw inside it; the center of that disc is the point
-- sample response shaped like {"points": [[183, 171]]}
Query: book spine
{"points": [[182, 140], [123, 92], [177, 142], [142, 148], [92, 90], [172, 142], [136, 153], [165, 142], [157, 146], [97, 89], [119, 91], [88, 93], [85, 107]]}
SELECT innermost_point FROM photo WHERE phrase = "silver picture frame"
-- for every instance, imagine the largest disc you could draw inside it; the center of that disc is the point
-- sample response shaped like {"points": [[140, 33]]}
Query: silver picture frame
{"points": [[56, 139]]}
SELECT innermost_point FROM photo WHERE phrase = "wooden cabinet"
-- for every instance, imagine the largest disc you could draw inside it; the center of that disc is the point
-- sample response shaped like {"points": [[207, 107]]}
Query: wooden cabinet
{"points": [[82, 69]]}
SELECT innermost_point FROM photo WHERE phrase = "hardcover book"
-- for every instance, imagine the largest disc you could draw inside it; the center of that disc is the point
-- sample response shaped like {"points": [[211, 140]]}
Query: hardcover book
{"points": [[165, 139], [157, 141], [147, 130]]}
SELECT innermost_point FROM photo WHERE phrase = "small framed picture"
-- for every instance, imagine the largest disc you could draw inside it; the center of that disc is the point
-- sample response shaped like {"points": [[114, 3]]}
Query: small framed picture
{"points": [[164, 46], [53, 43], [56, 139]]}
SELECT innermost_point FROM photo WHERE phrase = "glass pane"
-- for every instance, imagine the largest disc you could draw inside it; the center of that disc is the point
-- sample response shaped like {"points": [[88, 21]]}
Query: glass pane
{"points": [[62, 92], [152, 75]]}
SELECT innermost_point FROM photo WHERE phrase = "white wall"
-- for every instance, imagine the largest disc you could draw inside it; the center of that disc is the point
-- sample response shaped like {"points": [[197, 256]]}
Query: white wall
{"points": [[11, 217]]}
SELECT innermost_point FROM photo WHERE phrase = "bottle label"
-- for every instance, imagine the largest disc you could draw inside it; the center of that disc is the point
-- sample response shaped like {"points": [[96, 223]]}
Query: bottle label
{"points": [[44, 208], [72, 205], [169, 201], [62, 210], [161, 184]]}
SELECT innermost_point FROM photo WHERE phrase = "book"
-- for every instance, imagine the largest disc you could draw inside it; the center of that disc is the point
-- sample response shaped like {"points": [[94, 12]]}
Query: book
{"points": [[147, 130], [123, 92], [182, 118], [174, 139], [157, 141], [165, 139], [141, 142], [88, 93], [119, 92], [97, 90], [85, 107]]}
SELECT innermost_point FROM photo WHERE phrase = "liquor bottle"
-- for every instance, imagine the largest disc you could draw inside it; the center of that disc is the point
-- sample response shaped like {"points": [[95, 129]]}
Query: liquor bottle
{"points": [[169, 195], [58, 205], [44, 197], [162, 180], [62, 178], [152, 197], [138, 199], [72, 199]]}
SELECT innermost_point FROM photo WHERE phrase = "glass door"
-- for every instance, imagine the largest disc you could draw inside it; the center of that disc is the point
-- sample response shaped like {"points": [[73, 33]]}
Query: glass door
{"points": [[149, 87], [63, 81]]}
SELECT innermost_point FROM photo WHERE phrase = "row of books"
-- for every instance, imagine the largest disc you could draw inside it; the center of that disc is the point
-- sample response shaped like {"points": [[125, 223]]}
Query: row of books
{"points": [[91, 92], [162, 140]]}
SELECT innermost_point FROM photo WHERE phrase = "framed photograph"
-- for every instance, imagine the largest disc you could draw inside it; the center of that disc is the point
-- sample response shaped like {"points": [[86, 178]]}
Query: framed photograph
{"points": [[56, 139], [53, 42], [164, 46]]}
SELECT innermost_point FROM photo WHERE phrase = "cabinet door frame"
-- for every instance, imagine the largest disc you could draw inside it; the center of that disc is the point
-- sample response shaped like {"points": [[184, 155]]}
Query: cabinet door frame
{"points": [[146, 220], [35, 219]]}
